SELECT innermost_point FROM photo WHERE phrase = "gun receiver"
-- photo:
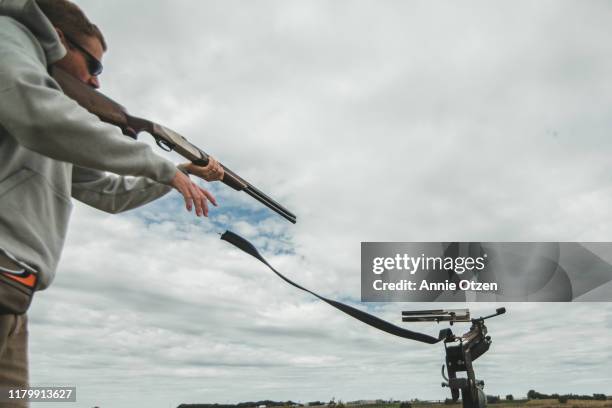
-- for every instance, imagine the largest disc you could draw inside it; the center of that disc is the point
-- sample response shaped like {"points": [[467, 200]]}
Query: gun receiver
{"points": [[111, 112], [461, 351]]}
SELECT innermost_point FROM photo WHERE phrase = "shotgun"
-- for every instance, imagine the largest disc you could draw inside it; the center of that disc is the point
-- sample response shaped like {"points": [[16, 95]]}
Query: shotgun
{"points": [[111, 112]]}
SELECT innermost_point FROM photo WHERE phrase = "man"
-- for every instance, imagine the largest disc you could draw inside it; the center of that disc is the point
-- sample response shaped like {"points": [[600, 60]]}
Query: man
{"points": [[51, 149]]}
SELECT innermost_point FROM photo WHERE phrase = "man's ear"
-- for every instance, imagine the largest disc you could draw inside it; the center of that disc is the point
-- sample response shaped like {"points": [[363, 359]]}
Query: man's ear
{"points": [[61, 36]]}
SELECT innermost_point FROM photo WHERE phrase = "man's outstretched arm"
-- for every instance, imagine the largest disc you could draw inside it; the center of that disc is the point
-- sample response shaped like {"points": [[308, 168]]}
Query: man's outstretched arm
{"points": [[115, 194]]}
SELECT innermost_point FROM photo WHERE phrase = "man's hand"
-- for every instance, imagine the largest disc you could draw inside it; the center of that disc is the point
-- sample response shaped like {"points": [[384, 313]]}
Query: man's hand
{"points": [[193, 194], [211, 172]]}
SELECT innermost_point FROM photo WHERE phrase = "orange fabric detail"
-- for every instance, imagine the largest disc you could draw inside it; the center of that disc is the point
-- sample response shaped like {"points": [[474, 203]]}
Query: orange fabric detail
{"points": [[28, 281]]}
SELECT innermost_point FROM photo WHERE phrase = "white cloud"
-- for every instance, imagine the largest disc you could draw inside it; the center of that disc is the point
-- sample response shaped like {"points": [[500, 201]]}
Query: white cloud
{"points": [[389, 121]]}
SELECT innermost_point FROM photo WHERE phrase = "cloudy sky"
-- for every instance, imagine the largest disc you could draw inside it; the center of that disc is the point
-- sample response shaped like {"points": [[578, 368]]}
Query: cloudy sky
{"points": [[372, 121]]}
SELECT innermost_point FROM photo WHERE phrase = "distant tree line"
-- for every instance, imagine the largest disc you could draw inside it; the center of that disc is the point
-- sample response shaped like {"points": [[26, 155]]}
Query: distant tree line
{"points": [[565, 397], [491, 399]]}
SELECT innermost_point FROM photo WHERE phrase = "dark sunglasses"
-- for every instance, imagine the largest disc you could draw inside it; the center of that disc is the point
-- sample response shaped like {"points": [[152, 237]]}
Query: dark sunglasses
{"points": [[94, 66]]}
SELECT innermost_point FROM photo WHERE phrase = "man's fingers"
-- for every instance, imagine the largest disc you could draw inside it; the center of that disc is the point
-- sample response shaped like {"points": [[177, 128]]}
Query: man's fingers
{"points": [[213, 170], [201, 200], [205, 205], [193, 194], [197, 199], [188, 202], [217, 170], [181, 183], [210, 197]]}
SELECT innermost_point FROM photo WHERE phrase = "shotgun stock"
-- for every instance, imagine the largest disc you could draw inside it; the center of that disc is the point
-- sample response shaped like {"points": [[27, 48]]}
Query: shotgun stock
{"points": [[111, 112]]}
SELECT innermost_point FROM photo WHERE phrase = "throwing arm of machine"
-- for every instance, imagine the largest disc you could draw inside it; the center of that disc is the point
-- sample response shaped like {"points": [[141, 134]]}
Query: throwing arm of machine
{"points": [[461, 351]]}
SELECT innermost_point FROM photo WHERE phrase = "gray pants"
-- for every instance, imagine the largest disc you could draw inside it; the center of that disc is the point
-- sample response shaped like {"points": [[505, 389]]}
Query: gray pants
{"points": [[13, 354]]}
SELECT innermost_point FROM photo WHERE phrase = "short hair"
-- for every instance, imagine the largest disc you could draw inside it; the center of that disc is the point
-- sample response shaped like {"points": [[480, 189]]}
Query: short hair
{"points": [[69, 18]]}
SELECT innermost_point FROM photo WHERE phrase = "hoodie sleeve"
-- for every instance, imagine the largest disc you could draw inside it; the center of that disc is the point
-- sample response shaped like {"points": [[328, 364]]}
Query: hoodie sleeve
{"points": [[35, 112], [112, 193]]}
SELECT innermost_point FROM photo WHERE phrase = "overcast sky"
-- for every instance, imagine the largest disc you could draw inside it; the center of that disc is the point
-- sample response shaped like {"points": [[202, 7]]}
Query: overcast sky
{"points": [[372, 121]]}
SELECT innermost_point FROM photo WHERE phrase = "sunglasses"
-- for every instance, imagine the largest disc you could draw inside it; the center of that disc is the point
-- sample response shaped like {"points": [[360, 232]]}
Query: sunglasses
{"points": [[94, 66]]}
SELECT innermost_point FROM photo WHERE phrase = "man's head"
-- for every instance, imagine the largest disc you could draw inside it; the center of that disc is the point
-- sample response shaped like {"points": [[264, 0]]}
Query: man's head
{"points": [[84, 42]]}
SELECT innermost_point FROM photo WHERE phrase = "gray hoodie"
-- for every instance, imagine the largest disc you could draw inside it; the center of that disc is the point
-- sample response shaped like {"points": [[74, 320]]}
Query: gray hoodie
{"points": [[51, 149]]}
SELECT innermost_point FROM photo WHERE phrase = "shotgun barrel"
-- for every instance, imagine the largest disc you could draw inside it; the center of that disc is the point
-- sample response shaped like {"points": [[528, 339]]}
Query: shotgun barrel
{"points": [[111, 112]]}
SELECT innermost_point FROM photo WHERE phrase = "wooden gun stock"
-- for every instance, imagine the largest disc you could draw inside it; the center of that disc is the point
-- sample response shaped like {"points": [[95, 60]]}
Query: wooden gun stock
{"points": [[111, 112]]}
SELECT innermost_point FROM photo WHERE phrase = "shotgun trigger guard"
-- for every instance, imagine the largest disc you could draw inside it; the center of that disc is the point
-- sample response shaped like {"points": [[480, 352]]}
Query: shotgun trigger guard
{"points": [[164, 145]]}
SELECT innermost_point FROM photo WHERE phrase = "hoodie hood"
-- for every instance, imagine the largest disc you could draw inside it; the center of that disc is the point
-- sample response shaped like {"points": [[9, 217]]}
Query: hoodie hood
{"points": [[30, 15]]}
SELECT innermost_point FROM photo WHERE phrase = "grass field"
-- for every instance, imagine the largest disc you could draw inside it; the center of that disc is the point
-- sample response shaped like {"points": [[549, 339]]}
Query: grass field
{"points": [[551, 403]]}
